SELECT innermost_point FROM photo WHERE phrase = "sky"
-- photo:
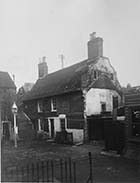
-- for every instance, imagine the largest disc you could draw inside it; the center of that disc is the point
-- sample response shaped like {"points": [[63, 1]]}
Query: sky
{"points": [[31, 29]]}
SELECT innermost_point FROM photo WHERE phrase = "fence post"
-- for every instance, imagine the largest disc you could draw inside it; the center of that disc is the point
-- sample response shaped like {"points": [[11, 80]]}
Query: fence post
{"points": [[42, 167], [61, 170], [52, 168], [22, 174], [37, 171], [27, 173], [74, 172], [70, 175], [17, 173], [90, 179], [6, 174], [66, 170], [48, 170], [32, 172], [12, 174]]}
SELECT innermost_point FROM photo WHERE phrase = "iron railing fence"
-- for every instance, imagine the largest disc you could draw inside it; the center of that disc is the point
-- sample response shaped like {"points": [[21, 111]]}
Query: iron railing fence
{"points": [[66, 170]]}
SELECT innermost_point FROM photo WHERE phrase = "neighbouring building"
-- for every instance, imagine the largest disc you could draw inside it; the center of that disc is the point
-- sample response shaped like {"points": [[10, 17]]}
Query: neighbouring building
{"points": [[75, 99], [132, 113], [7, 97], [21, 92], [25, 130]]}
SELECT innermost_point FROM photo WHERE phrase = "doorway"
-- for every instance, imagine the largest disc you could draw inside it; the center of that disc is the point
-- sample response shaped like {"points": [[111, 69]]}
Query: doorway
{"points": [[52, 127], [95, 128]]}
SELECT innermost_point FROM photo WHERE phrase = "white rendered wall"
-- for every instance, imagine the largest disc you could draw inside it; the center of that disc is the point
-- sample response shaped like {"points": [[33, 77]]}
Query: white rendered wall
{"points": [[78, 135], [94, 98]]}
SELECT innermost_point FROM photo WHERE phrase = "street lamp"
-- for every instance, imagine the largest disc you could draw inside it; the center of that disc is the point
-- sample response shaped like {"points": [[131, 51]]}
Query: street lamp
{"points": [[14, 110]]}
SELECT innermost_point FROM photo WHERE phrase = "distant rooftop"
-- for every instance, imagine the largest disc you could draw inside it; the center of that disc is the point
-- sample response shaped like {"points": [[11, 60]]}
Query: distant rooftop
{"points": [[6, 81]]}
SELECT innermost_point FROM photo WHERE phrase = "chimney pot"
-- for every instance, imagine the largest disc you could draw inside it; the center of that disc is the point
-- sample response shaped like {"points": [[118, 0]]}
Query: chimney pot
{"points": [[92, 35], [43, 59]]}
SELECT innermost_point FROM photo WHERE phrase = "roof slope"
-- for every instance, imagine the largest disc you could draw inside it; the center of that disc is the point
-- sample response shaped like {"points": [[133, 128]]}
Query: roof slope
{"points": [[104, 82], [6, 81], [66, 80], [62, 81]]}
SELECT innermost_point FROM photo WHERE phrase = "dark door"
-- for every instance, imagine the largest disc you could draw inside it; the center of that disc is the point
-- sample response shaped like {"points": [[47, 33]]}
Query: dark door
{"points": [[52, 127], [95, 129], [62, 123]]}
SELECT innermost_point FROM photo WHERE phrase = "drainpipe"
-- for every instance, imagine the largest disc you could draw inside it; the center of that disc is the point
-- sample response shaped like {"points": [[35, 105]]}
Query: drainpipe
{"points": [[85, 118]]}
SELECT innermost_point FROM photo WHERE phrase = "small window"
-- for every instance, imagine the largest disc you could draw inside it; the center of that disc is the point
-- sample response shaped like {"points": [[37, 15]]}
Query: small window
{"points": [[112, 76], [53, 104], [40, 106], [95, 74], [43, 124], [103, 107]]}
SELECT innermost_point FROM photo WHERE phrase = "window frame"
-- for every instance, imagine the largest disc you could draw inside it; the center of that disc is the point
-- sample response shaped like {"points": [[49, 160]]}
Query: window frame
{"points": [[95, 74], [63, 117], [103, 103], [53, 107], [39, 106]]}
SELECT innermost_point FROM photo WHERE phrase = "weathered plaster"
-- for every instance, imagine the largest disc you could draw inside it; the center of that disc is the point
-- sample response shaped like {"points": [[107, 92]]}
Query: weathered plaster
{"points": [[78, 135], [95, 97], [104, 65]]}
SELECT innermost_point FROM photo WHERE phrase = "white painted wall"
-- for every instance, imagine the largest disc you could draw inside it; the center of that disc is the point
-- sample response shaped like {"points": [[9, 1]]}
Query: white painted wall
{"points": [[78, 135], [94, 98]]}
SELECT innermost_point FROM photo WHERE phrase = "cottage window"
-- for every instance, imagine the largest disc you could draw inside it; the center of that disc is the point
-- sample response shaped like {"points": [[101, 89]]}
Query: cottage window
{"points": [[95, 74], [103, 107], [53, 104], [40, 106], [112, 76], [43, 124]]}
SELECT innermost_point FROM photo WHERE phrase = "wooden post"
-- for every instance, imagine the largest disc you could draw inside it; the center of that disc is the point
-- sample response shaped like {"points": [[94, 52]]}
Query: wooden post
{"points": [[52, 169], [65, 170], [42, 167], [0, 135], [61, 170], [32, 172], [48, 170], [74, 172], [70, 171], [128, 126]]}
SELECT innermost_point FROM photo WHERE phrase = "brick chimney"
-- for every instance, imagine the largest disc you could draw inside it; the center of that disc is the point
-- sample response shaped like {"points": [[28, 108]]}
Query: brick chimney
{"points": [[95, 46], [42, 68]]}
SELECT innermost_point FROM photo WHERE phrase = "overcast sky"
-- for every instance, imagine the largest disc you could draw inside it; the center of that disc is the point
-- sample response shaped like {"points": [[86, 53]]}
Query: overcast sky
{"points": [[34, 28]]}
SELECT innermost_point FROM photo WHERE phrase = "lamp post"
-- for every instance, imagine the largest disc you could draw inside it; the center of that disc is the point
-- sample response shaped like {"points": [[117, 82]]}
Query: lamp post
{"points": [[14, 110]]}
